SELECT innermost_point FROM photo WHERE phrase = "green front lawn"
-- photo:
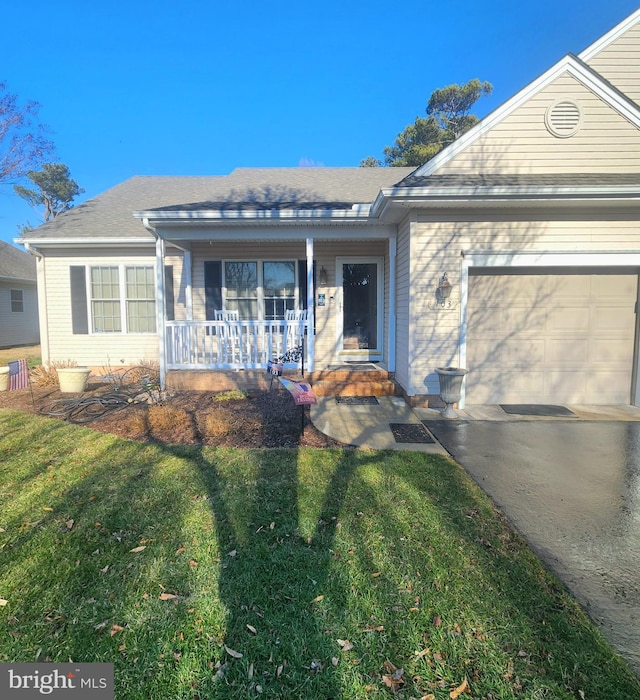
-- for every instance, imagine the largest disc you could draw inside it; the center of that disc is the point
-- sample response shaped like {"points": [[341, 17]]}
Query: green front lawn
{"points": [[225, 573]]}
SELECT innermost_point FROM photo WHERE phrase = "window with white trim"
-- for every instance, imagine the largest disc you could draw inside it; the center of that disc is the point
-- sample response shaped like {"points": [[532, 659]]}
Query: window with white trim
{"points": [[122, 298], [259, 290], [17, 301]]}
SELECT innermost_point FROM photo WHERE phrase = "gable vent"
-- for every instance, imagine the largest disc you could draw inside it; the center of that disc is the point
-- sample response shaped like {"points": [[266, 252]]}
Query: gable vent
{"points": [[563, 118]]}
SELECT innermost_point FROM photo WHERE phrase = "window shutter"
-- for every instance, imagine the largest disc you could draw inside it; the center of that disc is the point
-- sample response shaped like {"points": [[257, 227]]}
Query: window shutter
{"points": [[168, 291], [212, 287], [79, 318]]}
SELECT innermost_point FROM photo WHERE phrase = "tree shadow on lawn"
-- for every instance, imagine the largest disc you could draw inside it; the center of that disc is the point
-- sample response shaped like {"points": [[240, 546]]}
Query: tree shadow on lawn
{"points": [[275, 555]]}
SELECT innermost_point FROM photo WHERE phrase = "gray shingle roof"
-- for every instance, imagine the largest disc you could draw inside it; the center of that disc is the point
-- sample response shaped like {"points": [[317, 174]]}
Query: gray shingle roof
{"points": [[517, 180], [16, 264], [110, 215]]}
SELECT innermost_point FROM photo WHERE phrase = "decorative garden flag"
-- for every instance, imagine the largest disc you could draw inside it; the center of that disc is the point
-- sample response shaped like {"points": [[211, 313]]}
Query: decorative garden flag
{"points": [[18, 375]]}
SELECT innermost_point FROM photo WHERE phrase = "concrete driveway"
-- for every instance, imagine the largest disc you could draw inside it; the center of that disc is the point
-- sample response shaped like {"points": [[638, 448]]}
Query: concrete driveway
{"points": [[572, 488]]}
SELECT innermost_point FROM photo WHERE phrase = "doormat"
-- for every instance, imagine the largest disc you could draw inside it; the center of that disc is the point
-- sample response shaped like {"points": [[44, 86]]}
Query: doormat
{"points": [[535, 409], [410, 432], [357, 400]]}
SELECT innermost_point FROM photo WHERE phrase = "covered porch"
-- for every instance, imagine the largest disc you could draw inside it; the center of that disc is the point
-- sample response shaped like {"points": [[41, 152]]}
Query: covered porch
{"points": [[219, 310]]}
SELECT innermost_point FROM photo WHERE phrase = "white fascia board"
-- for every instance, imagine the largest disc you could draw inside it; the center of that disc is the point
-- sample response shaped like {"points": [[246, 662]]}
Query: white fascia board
{"points": [[172, 231], [568, 64], [18, 280], [472, 196], [610, 36], [543, 258], [80, 242], [358, 213]]}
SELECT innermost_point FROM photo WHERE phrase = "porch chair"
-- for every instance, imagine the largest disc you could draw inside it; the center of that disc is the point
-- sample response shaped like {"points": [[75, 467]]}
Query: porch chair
{"points": [[294, 323], [229, 340]]}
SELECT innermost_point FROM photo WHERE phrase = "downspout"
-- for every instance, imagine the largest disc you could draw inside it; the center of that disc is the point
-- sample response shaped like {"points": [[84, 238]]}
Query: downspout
{"points": [[160, 304], [43, 312]]}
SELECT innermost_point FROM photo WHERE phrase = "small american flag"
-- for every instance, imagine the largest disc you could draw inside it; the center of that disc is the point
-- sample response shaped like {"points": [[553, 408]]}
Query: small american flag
{"points": [[18, 375]]}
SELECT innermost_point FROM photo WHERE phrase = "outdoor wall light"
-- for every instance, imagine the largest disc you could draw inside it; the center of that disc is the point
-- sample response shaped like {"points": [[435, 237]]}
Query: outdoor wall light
{"points": [[443, 292], [323, 277]]}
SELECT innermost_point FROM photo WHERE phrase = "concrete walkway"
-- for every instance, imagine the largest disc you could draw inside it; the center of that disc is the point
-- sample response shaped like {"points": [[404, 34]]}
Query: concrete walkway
{"points": [[369, 425]]}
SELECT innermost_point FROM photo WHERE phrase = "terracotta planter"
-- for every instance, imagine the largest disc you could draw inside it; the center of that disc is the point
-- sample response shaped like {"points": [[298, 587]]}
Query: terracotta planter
{"points": [[73, 380], [4, 378]]}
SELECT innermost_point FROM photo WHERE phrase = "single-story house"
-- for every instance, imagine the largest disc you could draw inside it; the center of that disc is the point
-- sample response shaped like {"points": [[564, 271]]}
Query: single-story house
{"points": [[18, 298], [514, 253]]}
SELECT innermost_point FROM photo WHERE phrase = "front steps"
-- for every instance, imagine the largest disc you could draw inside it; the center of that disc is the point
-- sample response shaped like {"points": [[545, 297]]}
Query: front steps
{"points": [[345, 381]]}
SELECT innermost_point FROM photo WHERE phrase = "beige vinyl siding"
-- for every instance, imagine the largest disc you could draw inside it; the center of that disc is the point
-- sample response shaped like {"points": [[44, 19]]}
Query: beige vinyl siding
{"points": [[619, 63], [521, 143], [99, 349], [18, 328], [437, 247], [403, 290]]}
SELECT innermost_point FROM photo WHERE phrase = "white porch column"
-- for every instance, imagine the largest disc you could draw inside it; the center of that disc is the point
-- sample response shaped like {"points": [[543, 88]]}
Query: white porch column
{"points": [[391, 362], [188, 284], [310, 316], [161, 313]]}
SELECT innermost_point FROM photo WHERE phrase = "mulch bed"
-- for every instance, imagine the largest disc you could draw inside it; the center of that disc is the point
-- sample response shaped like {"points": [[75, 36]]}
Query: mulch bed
{"points": [[263, 419]]}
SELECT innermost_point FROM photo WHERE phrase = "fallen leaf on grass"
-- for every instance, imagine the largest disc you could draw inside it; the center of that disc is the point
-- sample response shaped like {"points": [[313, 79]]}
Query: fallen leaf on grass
{"points": [[135, 550], [180, 550], [335, 660], [345, 644], [437, 621], [193, 563], [317, 599], [421, 654], [252, 629], [3, 602], [394, 677], [69, 523], [115, 629], [233, 653], [168, 596], [459, 690], [100, 625], [375, 575], [48, 509], [232, 553]]}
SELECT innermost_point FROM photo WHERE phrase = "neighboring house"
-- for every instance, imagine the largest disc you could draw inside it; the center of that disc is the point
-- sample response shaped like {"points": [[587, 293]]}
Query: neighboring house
{"points": [[18, 298], [531, 221]]}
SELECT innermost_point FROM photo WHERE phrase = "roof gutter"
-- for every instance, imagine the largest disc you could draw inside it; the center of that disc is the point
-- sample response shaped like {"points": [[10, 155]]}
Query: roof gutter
{"points": [[470, 195], [359, 212]]}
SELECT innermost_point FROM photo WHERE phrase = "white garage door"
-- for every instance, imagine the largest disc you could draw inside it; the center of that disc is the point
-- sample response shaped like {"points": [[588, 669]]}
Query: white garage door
{"points": [[552, 338]]}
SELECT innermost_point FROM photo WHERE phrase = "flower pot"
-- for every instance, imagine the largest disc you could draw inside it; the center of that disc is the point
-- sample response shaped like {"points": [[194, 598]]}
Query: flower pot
{"points": [[73, 380], [4, 378], [450, 379]]}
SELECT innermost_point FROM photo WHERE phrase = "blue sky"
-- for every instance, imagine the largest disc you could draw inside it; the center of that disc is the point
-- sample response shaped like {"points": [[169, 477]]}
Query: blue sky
{"points": [[147, 87]]}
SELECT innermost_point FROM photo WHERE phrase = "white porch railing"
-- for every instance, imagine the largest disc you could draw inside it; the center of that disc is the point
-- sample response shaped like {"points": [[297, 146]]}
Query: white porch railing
{"points": [[230, 344]]}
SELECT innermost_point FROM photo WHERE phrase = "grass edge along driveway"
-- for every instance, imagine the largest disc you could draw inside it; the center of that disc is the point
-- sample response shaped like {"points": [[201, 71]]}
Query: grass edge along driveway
{"points": [[225, 573]]}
